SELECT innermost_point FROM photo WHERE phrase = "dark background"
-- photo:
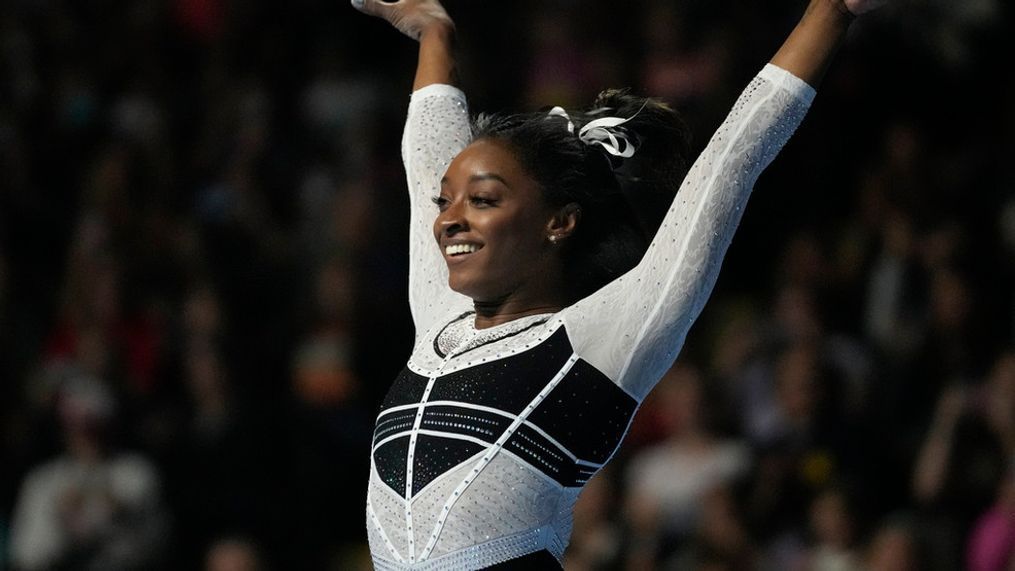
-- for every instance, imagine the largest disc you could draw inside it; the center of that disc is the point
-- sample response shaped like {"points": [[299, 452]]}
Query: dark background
{"points": [[202, 210]]}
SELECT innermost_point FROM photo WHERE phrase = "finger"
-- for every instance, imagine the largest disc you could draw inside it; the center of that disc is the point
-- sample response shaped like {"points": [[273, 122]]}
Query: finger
{"points": [[374, 7]]}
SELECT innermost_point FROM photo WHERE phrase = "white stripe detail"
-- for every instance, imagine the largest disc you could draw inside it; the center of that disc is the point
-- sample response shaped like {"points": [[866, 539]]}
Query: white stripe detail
{"points": [[410, 536], [398, 408], [480, 407], [492, 451], [569, 454], [401, 434], [484, 443], [438, 479], [399, 430], [428, 432], [505, 414], [679, 262], [511, 416], [526, 465]]}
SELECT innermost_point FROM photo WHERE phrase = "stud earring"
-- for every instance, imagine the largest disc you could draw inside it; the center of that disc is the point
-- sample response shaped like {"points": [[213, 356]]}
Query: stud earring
{"points": [[553, 238]]}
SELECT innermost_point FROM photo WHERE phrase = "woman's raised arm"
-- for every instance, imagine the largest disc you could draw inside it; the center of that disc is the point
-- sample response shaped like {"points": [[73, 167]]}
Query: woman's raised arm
{"points": [[436, 130], [650, 310], [809, 48]]}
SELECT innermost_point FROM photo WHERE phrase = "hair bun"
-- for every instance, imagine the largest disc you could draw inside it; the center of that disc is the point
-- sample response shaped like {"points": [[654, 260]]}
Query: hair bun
{"points": [[651, 177], [661, 137]]}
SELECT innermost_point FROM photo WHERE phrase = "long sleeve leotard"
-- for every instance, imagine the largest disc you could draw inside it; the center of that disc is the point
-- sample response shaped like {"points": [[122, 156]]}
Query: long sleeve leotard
{"points": [[487, 436]]}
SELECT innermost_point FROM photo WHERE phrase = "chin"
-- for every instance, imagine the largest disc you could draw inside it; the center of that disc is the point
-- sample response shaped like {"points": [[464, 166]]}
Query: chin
{"points": [[473, 291], [462, 286]]}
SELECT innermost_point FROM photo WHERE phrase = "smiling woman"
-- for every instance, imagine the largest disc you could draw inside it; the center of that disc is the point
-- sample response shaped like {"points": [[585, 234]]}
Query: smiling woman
{"points": [[543, 317], [495, 227]]}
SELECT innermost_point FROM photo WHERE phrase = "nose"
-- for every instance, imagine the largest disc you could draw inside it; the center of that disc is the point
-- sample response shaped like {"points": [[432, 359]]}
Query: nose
{"points": [[452, 220]]}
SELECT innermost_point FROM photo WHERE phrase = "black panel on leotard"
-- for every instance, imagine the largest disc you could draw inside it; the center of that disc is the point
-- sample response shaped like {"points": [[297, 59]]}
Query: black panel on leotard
{"points": [[407, 389], [586, 413], [509, 383], [390, 462], [436, 455]]}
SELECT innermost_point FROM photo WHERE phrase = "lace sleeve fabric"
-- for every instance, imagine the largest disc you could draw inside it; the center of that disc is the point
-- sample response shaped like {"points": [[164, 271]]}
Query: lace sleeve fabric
{"points": [[633, 328], [436, 130]]}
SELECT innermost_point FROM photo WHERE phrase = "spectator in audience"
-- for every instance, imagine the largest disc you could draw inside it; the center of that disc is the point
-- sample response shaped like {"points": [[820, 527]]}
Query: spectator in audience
{"points": [[991, 545], [721, 541], [833, 532], [92, 507], [965, 454], [894, 547], [233, 554]]}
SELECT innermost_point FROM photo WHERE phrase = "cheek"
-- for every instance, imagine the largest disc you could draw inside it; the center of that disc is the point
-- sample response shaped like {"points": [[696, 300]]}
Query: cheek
{"points": [[523, 226], [517, 239]]}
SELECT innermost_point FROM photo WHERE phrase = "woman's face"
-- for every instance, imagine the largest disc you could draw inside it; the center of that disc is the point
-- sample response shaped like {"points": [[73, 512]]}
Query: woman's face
{"points": [[494, 227]]}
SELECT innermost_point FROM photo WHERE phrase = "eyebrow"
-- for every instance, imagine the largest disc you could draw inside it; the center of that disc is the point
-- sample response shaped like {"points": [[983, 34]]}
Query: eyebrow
{"points": [[480, 177]]}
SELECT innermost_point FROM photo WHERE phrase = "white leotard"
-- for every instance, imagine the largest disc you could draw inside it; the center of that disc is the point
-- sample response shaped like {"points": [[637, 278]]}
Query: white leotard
{"points": [[487, 436]]}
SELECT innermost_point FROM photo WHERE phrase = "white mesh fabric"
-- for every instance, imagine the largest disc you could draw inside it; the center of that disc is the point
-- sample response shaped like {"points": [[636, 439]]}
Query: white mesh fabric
{"points": [[508, 497], [388, 514], [427, 504]]}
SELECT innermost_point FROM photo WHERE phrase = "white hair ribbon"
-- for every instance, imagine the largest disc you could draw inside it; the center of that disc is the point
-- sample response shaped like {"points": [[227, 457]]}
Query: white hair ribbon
{"points": [[602, 132]]}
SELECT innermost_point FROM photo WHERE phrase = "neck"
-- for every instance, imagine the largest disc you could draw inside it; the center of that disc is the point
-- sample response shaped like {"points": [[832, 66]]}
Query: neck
{"points": [[490, 314], [543, 293]]}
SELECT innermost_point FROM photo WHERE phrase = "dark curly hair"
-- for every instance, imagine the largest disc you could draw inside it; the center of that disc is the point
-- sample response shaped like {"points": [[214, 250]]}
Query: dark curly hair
{"points": [[612, 235]]}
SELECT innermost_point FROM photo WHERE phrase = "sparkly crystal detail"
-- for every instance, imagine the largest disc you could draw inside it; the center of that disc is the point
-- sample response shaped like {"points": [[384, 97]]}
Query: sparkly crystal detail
{"points": [[461, 334], [477, 556], [454, 335]]}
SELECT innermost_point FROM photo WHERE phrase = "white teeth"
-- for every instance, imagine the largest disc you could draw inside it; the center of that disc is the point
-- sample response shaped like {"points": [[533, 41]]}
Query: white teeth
{"points": [[455, 249]]}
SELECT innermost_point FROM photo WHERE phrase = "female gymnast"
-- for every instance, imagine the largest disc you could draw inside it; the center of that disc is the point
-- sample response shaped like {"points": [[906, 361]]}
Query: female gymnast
{"points": [[542, 317]]}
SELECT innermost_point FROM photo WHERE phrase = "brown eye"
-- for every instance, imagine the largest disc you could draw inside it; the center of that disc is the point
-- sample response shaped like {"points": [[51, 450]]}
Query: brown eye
{"points": [[441, 202]]}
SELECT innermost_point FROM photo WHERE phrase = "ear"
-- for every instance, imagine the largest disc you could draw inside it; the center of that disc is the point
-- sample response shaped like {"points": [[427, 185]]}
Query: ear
{"points": [[564, 222]]}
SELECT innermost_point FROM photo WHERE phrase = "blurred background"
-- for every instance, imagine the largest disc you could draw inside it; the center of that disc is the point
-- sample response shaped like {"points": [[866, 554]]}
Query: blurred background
{"points": [[203, 284]]}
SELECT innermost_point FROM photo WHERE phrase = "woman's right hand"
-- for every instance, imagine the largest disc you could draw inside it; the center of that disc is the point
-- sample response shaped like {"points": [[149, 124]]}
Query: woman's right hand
{"points": [[411, 17]]}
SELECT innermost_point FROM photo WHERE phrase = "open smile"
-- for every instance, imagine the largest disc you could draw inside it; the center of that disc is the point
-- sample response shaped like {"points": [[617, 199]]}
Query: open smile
{"points": [[460, 252], [454, 250]]}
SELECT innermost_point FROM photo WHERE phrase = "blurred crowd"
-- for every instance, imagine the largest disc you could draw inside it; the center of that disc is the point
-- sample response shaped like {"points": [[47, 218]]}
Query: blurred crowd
{"points": [[203, 275]]}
